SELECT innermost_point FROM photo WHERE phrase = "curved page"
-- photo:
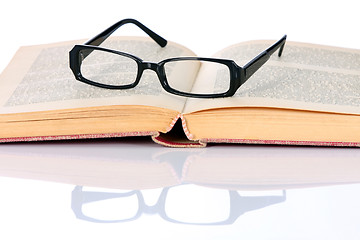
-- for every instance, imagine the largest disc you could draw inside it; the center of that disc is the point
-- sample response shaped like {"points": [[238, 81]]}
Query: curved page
{"points": [[306, 76], [39, 78]]}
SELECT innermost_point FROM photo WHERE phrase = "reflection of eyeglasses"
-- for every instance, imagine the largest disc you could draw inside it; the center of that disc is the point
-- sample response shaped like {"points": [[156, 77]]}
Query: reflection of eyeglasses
{"points": [[119, 70], [205, 207]]}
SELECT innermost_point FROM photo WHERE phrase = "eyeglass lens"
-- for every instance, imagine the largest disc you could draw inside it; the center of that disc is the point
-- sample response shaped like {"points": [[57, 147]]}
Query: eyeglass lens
{"points": [[108, 68]]}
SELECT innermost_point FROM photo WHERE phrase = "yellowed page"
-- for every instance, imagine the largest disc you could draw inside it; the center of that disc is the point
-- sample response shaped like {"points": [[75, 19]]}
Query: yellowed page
{"points": [[39, 78], [306, 76]]}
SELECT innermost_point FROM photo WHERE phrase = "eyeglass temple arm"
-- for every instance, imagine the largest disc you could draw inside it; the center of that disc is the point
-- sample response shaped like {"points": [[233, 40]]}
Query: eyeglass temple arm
{"points": [[254, 65], [97, 40]]}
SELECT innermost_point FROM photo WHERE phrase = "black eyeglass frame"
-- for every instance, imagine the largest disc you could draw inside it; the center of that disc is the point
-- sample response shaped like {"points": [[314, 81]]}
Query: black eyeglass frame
{"points": [[238, 75]]}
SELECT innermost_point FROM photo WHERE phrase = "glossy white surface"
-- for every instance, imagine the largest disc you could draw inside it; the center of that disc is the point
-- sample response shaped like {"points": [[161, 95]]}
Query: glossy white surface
{"points": [[136, 189], [41, 209]]}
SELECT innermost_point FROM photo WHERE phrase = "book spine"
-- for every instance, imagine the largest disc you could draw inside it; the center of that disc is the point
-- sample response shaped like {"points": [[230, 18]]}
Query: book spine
{"points": [[183, 123], [172, 138]]}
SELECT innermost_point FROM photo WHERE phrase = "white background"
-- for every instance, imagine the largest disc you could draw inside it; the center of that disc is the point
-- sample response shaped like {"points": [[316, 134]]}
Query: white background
{"points": [[41, 210], [203, 26]]}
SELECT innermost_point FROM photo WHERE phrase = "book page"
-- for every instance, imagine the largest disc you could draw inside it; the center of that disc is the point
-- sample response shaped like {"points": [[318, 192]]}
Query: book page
{"points": [[39, 78], [306, 76]]}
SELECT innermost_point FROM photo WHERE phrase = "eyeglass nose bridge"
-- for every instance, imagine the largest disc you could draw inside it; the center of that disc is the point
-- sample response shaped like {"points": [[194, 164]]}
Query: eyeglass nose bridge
{"points": [[156, 67], [150, 65]]}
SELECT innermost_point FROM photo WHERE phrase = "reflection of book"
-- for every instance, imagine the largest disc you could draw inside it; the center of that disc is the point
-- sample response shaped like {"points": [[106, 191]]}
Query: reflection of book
{"points": [[273, 168], [308, 96], [127, 166], [102, 164]]}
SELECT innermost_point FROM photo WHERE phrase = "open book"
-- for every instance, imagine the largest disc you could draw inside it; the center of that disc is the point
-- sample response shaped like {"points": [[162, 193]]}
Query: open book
{"points": [[309, 96]]}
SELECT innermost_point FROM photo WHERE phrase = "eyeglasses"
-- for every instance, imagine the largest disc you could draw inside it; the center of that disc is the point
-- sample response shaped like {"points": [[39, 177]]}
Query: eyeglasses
{"points": [[83, 59]]}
